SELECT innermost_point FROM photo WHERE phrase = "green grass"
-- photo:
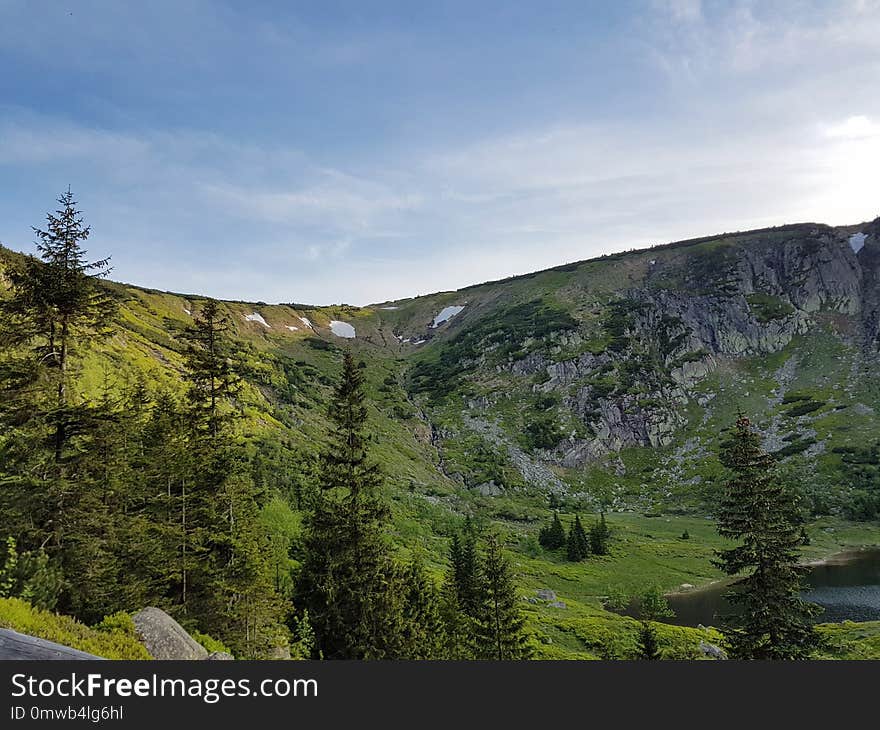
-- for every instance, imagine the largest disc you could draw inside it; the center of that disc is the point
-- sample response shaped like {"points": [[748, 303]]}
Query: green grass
{"points": [[115, 639]]}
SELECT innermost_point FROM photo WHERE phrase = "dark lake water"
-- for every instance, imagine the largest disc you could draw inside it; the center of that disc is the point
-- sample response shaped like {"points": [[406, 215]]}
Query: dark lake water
{"points": [[847, 587]]}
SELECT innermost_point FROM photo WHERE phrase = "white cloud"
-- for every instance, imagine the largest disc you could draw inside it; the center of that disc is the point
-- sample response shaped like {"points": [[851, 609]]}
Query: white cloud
{"points": [[856, 127]]}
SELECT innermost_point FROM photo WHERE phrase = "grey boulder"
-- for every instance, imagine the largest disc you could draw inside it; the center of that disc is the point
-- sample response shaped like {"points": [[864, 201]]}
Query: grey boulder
{"points": [[164, 637]]}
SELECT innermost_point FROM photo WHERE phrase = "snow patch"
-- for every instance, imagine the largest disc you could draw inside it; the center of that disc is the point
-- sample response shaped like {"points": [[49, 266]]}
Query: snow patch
{"points": [[389, 308], [653, 262], [341, 329], [257, 318], [857, 241], [305, 321], [188, 311], [292, 328], [419, 342], [446, 314]]}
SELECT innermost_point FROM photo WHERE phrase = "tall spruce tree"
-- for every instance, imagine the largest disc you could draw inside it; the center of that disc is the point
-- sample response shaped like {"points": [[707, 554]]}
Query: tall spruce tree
{"points": [[346, 582], [552, 537], [500, 627], [55, 308], [226, 579], [466, 571], [578, 545], [423, 634], [764, 515], [600, 536], [59, 305], [210, 368]]}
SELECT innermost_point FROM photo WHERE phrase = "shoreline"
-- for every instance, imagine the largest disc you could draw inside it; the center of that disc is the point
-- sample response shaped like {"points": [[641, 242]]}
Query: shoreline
{"points": [[841, 557]]}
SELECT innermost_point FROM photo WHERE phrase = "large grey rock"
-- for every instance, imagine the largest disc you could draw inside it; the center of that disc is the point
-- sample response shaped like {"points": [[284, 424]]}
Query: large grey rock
{"points": [[712, 651], [164, 637], [545, 594], [14, 645], [489, 489]]}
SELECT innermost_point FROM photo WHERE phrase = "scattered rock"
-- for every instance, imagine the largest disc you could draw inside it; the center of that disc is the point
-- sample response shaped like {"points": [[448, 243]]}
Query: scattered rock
{"points": [[557, 604], [164, 637], [710, 650], [220, 656], [489, 489], [545, 594], [686, 586]]}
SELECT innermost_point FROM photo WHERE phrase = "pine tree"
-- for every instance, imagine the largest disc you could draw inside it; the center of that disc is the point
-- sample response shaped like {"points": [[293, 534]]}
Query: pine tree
{"points": [[58, 302], [578, 546], [763, 514], [600, 536], [500, 628], [649, 649], [465, 566], [458, 628], [225, 577], [347, 577], [55, 308], [210, 368], [552, 537], [423, 630]]}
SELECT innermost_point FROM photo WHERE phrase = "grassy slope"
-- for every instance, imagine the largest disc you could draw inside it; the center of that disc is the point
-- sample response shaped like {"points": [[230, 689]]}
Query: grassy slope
{"points": [[116, 641]]}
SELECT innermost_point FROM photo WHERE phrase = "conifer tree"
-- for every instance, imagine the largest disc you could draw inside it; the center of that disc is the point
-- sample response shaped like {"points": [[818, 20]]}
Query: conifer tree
{"points": [[649, 649], [600, 536], [210, 369], [55, 308], [500, 627], [578, 545], [226, 580], [764, 516], [59, 301], [458, 628], [423, 630], [347, 577], [552, 537], [465, 566]]}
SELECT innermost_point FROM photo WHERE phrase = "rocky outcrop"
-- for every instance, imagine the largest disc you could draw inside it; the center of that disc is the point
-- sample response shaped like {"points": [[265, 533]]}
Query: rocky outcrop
{"points": [[164, 638]]}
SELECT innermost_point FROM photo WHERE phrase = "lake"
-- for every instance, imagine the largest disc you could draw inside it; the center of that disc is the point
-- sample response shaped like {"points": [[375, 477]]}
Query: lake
{"points": [[847, 586]]}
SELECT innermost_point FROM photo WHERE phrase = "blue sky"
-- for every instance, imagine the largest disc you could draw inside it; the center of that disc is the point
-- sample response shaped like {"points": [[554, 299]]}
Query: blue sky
{"points": [[364, 151]]}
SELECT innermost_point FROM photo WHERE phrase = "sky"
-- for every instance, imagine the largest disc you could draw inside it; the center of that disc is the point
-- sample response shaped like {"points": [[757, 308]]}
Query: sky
{"points": [[364, 151]]}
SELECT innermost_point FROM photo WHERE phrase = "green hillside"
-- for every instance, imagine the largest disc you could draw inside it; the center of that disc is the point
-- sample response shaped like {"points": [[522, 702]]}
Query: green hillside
{"points": [[600, 386]]}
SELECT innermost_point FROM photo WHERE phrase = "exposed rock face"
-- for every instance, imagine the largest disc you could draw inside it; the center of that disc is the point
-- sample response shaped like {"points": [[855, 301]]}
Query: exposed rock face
{"points": [[164, 637], [869, 260], [691, 325], [532, 470]]}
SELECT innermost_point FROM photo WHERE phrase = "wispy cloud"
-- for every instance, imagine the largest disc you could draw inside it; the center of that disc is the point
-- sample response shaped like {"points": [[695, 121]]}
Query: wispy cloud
{"points": [[717, 116]]}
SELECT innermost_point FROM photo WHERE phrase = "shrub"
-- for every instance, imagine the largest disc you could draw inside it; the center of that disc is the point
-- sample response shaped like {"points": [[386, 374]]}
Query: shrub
{"points": [[210, 643], [112, 640]]}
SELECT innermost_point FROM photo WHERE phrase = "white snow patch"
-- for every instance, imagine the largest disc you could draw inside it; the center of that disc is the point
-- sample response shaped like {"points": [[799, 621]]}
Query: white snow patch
{"points": [[446, 314], [188, 311], [652, 262], [305, 321], [389, 308], [341, 329], [292, 328], [857, 241], [257, 318], [419, 342]]}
